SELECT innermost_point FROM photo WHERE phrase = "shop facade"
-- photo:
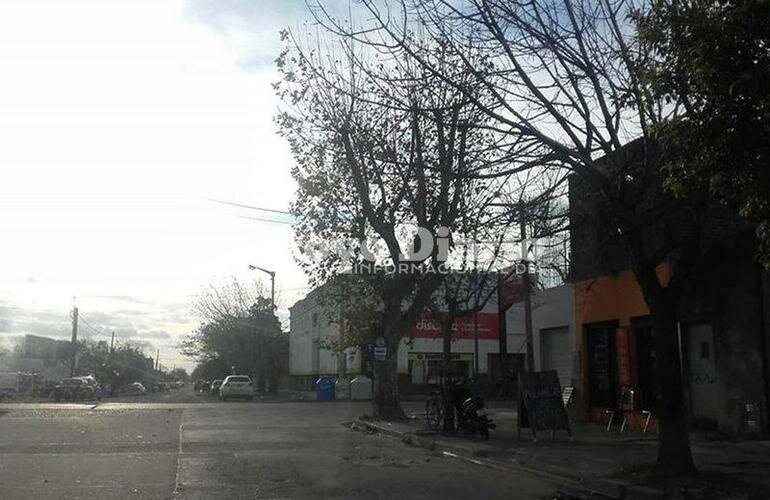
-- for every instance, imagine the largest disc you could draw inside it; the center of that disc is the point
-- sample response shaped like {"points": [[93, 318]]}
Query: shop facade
{"points": [[475, 348]]}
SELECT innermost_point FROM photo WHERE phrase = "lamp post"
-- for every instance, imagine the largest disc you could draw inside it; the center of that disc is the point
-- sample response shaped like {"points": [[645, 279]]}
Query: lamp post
{"points": [[272, 282]]}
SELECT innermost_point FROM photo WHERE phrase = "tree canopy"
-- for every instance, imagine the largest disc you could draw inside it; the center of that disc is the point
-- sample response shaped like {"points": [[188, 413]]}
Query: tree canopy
{"points": [[238, 333], [712, 59]]}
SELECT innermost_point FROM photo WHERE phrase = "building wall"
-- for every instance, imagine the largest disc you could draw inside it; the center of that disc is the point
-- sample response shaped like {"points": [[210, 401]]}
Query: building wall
{"points": [[723, 316], [605, 299], [725, 296], [728, 295], [551, 308], [460, 346], [310, 357]]}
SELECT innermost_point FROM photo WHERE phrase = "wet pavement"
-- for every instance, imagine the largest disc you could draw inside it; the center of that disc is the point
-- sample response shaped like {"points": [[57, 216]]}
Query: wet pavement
{"points": [[146, 449]]}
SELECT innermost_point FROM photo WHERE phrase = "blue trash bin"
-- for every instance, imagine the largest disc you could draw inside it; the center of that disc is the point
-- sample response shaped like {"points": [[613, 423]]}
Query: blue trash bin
{"points": [[324, 388]]}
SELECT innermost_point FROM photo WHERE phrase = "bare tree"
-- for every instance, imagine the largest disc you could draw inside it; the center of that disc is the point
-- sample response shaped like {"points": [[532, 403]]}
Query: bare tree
{"points": [[238, 329], [379, 147], [565, 88]]}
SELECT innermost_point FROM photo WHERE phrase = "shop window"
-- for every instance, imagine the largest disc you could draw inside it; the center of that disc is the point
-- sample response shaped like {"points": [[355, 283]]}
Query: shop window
{"points": [[602, 365], [426, 368]]}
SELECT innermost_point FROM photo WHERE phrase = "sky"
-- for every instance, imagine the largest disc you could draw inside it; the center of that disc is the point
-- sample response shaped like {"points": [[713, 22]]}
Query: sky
{"points": [[120, 124]]}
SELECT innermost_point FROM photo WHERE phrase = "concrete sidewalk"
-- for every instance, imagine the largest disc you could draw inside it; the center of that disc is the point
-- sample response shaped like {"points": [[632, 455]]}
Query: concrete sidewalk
{"points": [[603, 463]]}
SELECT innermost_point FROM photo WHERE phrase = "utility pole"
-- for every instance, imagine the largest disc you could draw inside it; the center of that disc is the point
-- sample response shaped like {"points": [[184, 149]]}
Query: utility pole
{"points": [[272, 282], [74, 363], [477, 283], [157, 360], [527, 298], [112, 342], [503, 335], [475, 344]]}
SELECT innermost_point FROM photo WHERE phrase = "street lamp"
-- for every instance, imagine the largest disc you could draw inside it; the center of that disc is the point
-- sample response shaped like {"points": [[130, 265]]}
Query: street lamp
{"points": [[272, 282]]}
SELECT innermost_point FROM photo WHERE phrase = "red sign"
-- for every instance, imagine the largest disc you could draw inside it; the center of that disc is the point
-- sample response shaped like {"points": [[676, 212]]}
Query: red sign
{"points": [[623, 348], [464, 327]]}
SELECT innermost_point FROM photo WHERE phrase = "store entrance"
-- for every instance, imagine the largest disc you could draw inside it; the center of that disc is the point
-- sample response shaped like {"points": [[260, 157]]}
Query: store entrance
{"points": [[602, 363], [425, 368]]}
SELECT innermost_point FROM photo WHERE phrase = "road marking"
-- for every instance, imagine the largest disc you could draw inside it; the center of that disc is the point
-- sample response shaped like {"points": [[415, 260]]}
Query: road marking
{"points": [[179, 453]]}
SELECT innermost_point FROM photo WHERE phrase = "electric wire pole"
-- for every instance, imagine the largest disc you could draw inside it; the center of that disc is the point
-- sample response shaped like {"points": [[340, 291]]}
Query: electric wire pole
{"points": [[74, 362], [527, 299]]}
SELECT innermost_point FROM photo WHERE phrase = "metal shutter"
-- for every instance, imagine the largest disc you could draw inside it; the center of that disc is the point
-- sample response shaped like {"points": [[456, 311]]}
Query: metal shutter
{"points": [[555, 353]]}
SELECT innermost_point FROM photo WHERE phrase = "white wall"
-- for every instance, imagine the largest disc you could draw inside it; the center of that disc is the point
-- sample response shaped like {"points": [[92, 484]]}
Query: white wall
{"points": [[305, 358], [551, 308]]}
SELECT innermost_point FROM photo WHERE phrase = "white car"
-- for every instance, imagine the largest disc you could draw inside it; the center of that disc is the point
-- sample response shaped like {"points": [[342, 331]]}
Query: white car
{"points": [[236, 386]]}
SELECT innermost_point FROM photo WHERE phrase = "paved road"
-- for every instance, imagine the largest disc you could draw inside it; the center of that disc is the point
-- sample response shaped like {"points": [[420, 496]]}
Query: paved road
{"points": [[226, 450]]}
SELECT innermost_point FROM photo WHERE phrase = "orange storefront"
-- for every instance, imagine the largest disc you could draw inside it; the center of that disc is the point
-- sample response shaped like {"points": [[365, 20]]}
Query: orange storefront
{"points": [[614, 338]]}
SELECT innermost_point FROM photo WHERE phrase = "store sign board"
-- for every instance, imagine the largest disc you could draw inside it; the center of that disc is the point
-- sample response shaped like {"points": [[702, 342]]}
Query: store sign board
{"points": [[464, 327]]}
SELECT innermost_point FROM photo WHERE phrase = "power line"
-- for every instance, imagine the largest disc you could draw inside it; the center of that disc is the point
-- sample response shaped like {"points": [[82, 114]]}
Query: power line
{"points": [[252, 207], [264, 220], [92, 327], [89, 327]]}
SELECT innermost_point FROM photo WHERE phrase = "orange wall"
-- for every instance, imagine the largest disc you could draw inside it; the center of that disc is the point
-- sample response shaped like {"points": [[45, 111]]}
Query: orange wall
{"points": [[608, 298]]}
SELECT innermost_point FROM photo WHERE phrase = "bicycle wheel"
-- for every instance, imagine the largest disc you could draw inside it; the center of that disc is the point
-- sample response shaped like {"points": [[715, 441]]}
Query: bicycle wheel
{"points": [[432, 414]]}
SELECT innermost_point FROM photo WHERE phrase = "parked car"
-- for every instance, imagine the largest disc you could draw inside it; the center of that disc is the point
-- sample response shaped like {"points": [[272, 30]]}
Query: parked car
{"points": [[10, 384], [77, 389], [236, 386], [135, 389], [215, 385]]}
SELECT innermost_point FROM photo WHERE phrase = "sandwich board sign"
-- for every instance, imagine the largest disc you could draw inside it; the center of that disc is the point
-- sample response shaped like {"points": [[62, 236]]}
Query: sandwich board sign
{"points": [[541, 406]]}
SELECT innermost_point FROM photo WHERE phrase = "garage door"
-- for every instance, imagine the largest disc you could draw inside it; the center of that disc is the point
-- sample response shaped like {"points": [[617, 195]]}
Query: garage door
{"points": [[556, 354]]}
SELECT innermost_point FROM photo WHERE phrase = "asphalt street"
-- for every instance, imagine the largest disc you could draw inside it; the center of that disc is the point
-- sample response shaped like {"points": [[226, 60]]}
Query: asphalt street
{"points": [[227, 450]]}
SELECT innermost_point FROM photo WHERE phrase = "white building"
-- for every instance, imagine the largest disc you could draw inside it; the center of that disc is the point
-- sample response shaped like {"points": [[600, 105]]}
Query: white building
{"points": [[419, 355], [554, 337]]}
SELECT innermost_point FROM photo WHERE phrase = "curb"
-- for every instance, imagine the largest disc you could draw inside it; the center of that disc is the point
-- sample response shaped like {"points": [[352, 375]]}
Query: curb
{"points": [[593, 488]]}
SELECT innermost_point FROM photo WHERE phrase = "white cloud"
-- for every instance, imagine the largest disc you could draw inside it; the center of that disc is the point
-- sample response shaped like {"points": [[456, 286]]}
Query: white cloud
{"points": [[118, 119]]}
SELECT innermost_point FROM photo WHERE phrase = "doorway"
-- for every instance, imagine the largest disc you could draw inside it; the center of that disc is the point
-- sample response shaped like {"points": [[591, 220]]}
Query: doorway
{"points": [[702, 376]]}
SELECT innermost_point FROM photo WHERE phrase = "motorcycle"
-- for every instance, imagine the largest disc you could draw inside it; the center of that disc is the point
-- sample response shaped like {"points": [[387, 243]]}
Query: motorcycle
{"points": [[471, 415]]}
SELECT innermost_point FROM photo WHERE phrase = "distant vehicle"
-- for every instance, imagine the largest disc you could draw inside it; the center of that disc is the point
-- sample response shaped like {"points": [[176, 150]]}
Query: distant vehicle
{"points": [[215, 386], [178, 384], [135, 389], [77, 389], [201, 385], [160, 387], [10, 384], [236, 386]]}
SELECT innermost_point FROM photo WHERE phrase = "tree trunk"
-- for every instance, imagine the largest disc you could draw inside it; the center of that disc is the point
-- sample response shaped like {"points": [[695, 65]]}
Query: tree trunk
{"points": [[446, 370], [272, 373], [386, 402], [674, 454]]}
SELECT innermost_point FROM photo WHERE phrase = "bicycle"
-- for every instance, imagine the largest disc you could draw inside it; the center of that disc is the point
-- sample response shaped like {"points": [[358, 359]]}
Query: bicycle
{"points": [[434, 410]]}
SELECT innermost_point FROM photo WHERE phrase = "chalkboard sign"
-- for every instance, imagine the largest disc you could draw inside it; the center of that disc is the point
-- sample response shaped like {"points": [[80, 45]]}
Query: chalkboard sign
{"points": [[540, 405]]}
